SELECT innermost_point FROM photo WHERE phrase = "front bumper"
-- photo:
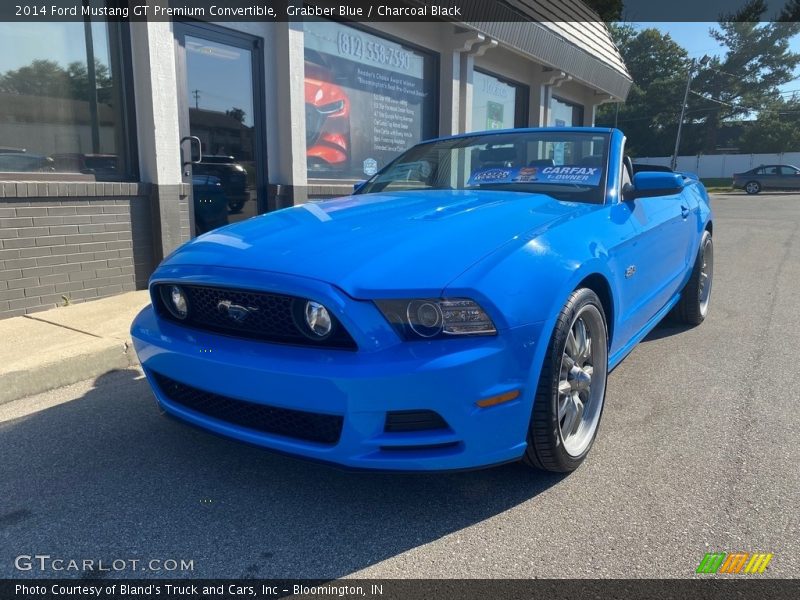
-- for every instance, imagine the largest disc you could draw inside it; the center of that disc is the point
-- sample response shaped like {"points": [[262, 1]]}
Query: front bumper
{"points": [[446, 376]]}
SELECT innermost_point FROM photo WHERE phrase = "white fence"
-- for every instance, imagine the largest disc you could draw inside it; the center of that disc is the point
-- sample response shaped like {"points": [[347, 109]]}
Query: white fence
{"points": [[723, 165]]}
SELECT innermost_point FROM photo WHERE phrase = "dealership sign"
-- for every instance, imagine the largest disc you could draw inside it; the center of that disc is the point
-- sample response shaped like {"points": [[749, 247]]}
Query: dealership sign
{"points": [[573, 175]]}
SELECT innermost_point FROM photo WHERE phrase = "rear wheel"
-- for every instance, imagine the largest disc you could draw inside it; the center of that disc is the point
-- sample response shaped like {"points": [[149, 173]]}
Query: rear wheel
{"points": [[752, 187], [572, 387], [696, 296]]}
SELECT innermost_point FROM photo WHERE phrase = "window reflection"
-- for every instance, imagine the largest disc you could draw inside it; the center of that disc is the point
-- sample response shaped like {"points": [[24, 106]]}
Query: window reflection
{"points": [[221, 114], [60, 107]]}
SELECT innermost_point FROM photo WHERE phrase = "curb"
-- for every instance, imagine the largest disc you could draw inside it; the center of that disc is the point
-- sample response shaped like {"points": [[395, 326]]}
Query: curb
{"points": [[114, 356]]}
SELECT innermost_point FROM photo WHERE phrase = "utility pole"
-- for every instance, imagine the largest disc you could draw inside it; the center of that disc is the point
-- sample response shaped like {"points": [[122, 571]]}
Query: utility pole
{"points": [[703, 61], [196, 94]]}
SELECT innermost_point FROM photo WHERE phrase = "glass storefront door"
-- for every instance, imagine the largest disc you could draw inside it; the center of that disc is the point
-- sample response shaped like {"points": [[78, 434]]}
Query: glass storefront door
{"points": [[221, 73]]}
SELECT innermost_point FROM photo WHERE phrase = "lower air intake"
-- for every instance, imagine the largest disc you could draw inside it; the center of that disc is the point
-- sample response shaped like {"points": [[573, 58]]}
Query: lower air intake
{"points": [[297, 424]]}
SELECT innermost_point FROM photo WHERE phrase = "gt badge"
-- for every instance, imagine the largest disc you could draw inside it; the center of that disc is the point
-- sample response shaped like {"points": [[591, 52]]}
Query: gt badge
{"points": [[630, 271]]}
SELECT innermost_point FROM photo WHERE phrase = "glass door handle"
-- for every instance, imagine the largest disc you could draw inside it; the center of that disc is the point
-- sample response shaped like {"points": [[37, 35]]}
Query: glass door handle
{"points": [[194, 142]]}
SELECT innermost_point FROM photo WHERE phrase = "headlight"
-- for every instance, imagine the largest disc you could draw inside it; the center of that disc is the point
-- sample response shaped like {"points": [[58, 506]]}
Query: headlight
{"points": [[426, 318], [318, 319], [332, 108], [175, 301]]}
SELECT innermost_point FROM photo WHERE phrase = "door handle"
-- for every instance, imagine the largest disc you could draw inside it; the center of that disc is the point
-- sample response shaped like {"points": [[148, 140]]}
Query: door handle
{"points": [[193, 139], [684, 211]]}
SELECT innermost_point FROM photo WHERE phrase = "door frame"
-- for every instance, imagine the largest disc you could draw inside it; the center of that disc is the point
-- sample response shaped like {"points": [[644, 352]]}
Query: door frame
{"points": [[238, 39]]}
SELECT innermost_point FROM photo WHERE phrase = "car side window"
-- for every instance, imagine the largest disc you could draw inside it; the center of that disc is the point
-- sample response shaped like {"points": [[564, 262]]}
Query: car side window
{"points": [[772, 171], [786, 170]]}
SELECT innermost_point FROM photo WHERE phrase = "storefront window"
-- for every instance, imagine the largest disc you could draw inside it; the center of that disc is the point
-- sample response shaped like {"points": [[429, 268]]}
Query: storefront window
{"points": [[367, 99], [61, 106], [497, 104], [565, 114]]}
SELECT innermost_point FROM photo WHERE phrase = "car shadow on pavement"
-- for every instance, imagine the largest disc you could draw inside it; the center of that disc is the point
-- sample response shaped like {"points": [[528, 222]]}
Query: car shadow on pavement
{"points": [[107, 476], [666, 328]]}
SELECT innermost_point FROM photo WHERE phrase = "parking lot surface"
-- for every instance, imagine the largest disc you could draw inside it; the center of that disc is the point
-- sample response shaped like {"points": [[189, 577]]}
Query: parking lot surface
{"points": [[697, 452]]}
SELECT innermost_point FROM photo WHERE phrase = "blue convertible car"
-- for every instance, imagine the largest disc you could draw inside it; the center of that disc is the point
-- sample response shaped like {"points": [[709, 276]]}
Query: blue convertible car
{"points": [[462, 308]]}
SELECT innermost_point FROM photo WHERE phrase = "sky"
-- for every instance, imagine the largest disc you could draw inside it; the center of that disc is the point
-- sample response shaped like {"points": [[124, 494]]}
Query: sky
{"points": [[697, 41]]}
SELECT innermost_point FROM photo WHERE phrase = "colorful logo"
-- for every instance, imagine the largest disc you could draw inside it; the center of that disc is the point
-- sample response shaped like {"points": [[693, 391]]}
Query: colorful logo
{"points": [[734, 562]]}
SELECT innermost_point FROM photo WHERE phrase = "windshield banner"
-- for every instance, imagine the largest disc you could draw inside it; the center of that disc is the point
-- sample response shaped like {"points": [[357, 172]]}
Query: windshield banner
{"points": [[566, 174]]}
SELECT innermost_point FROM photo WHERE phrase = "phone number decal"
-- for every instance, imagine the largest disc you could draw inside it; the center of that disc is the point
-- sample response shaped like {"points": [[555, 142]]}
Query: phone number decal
{"points": [[354, 46]]}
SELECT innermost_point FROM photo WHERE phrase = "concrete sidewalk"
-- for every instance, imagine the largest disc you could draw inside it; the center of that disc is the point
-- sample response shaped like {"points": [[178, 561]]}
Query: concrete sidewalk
{"points": [[57, 347]]}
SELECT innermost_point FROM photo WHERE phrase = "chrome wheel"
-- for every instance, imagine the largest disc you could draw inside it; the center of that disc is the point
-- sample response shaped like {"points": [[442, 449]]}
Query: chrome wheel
{"points": [[752, 187], [706, 276], [582, 380]]}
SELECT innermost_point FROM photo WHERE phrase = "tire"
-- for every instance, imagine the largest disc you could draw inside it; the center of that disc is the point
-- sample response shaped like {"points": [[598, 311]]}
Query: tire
{"points": [[752, 187], [551, 446], [696, 295]]}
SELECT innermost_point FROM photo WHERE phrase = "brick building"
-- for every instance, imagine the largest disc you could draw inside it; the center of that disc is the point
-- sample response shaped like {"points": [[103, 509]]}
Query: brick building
{"points": [[119, 141]]}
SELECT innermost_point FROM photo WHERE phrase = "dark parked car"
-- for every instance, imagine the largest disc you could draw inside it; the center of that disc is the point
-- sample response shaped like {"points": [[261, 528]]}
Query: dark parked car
{"points": [[210, 203], [232, 177], [102, 166], [22, 162], [768, 177]]}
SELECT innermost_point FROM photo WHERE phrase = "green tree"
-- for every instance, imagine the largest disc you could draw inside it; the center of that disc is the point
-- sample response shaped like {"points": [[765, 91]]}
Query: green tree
{"points": [[777, 128], [609, 10], [40, 78], [236, 113], [746, 78], [78, 76], [49, 79], [790, 11], [658, 66]]}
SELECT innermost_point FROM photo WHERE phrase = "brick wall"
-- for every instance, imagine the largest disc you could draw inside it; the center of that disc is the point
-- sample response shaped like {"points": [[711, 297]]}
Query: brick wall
{"points": [[85, 241]]}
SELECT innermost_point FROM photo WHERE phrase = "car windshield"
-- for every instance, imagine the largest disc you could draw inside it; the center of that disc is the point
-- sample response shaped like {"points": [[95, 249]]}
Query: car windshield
{"points": [[564, 164]]}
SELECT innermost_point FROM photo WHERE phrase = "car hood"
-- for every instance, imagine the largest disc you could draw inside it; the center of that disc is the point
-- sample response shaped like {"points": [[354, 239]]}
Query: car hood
{"points": [[380, 245]]}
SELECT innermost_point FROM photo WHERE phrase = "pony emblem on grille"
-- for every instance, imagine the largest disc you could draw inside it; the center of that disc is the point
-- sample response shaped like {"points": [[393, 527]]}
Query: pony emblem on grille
{"points": [[235, 312]]}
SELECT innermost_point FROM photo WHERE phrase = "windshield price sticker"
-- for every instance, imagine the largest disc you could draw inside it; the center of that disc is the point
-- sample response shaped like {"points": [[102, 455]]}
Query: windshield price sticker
{"points": [[571, 175]]}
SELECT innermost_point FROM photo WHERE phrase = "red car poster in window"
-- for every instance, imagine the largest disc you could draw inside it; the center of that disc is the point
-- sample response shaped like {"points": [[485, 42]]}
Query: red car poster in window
{"points": [[367, 100]]}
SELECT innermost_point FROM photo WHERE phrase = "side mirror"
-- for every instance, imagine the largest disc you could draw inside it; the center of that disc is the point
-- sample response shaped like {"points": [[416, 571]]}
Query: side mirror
{"points": [[647, 184], [358, 185]]}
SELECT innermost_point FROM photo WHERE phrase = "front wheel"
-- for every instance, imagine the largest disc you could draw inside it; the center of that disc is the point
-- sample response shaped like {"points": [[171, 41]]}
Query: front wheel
{"points": [[572, 387]]}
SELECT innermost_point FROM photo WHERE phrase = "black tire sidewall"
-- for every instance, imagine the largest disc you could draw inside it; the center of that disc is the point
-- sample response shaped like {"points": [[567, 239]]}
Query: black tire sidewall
{"points": [[546, 441], [688, 307]]}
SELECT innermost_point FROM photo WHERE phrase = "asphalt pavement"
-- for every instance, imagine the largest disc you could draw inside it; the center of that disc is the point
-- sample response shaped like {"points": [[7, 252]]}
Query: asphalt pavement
{"points": [[697, 452]]}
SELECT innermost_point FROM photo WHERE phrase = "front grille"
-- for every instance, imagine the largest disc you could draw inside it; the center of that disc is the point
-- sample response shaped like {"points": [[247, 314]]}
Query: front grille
{"points": [[413, 420], [297, 424], [269, 317]]}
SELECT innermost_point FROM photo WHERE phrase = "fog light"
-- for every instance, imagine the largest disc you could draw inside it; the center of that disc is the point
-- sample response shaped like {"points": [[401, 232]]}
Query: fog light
{"points": [[176, 302], [318, 319]]}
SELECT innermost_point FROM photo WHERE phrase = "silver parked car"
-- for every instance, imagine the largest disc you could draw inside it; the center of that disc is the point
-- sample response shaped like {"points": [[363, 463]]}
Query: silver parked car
{"points": [[768, 177]]}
